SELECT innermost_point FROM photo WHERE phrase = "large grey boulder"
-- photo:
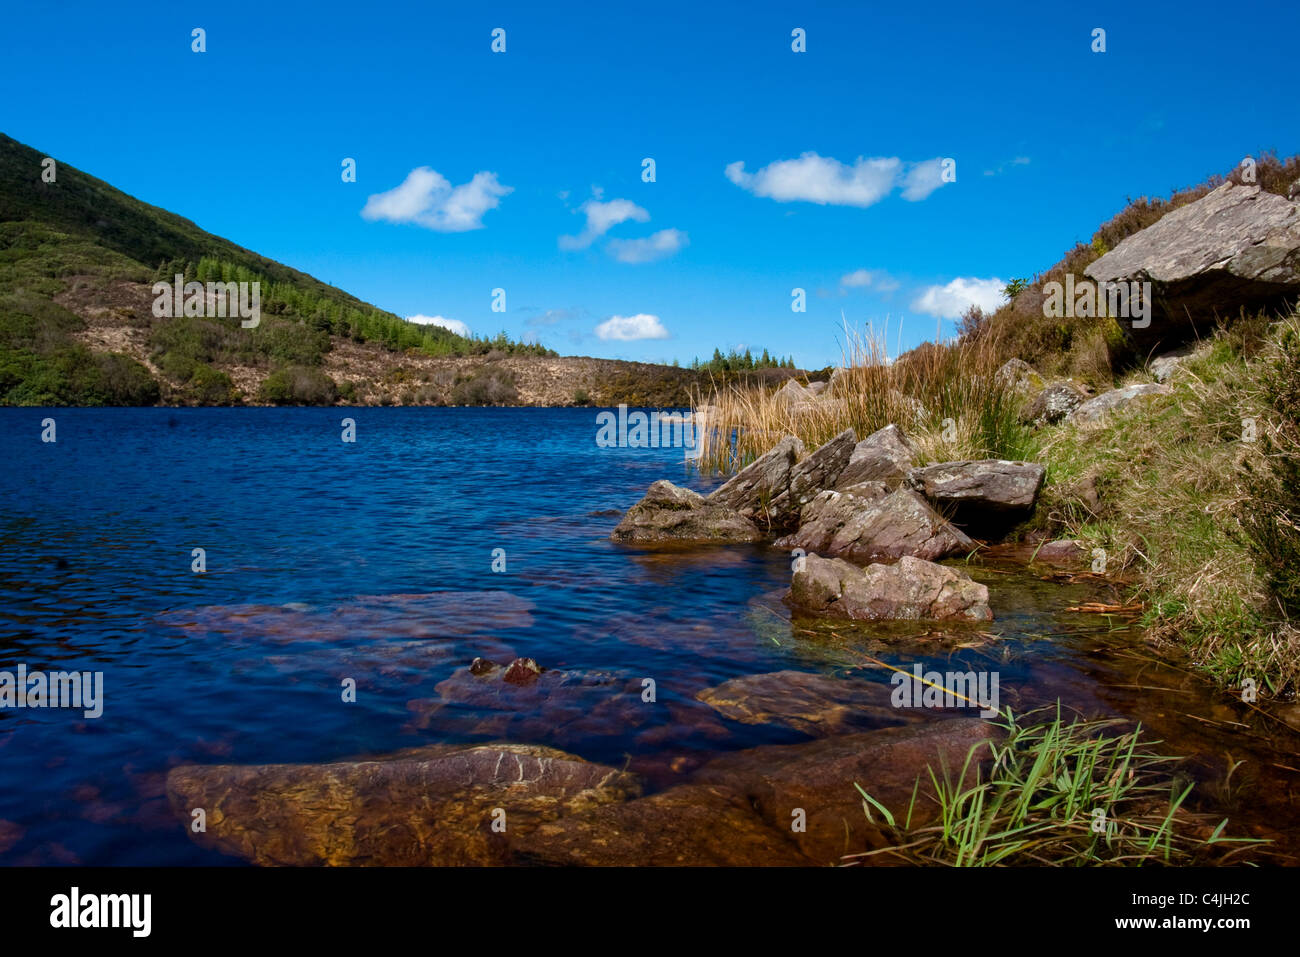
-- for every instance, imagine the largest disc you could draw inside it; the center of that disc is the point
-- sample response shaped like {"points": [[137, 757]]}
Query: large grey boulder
{"points": [[669, 513], [752, 490], [819, 471], [862, 525], [912, 589], [1237, 247], [1094, 411], [885, 455], [979, 487]]}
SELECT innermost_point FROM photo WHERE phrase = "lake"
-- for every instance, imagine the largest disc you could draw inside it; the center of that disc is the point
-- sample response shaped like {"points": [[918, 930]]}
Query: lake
{"points": [[373, 562]]}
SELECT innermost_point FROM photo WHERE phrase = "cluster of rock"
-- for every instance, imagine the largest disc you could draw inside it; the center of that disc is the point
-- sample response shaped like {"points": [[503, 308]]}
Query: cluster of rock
{"points": [[1066, 401], [865, 502]]}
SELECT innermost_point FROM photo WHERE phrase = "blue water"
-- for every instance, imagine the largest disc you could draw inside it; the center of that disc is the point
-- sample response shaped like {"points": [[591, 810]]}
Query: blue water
{"points": [[371, 561], [372, 546]]}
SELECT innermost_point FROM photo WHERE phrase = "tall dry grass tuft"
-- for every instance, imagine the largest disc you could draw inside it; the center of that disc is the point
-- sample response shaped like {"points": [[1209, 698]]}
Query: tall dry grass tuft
{"points": [[945, 397]]}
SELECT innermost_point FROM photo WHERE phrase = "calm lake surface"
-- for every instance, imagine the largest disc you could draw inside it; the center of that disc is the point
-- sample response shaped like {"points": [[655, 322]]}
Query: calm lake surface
{"points": [[374, 561]]}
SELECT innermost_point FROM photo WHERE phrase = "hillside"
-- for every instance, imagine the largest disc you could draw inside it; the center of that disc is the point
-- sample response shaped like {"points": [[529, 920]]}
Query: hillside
{"points": [[77, 262]]}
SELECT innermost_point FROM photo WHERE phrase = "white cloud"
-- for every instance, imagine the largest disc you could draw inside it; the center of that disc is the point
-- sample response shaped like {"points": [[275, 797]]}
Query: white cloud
{"points": [[630, 328], [868, 278], [1017, 161], [661, 245], [427, 199], [827, 181], [455, 325], [950, 301], [922, 179], [818, 179], [601, 218]]}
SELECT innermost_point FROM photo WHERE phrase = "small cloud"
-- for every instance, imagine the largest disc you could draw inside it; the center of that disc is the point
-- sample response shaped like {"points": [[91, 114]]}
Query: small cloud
{"points": [[950, 301], [454, 325], [922, 179], [1001, 167], [661, 245], [631, 328], [551, 316], [817, 179], [868, 278], [601, 218], [427, 199]]}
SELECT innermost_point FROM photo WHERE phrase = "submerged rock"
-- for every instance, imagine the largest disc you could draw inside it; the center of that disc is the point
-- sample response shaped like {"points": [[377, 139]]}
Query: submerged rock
{"points": [[884, 456], [1094, 411], [691, 825], [813, 703], [864, 529], [669, 513], [818, 779], [911, 590], [425, 806]]}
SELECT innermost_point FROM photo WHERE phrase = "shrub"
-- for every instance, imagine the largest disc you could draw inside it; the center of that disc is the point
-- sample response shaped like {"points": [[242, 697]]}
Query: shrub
{"points": [[298, 385], [485, 387]]}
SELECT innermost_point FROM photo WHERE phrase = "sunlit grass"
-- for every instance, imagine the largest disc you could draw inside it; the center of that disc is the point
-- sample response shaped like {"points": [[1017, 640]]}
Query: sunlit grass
{"points": [[1059, 794]]}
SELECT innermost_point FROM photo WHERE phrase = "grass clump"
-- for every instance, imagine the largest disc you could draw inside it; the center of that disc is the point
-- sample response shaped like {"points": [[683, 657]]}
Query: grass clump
{"points": [[1193, 499], [946, 398], [1033, 799]]}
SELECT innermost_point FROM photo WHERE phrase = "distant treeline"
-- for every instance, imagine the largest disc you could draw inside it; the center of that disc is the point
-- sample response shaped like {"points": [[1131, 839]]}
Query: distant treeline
{"points": [[745, 361]]}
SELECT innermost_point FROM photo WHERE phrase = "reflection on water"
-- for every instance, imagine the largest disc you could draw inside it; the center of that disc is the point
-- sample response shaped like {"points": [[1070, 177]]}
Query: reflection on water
{"points": [[374, 562]]}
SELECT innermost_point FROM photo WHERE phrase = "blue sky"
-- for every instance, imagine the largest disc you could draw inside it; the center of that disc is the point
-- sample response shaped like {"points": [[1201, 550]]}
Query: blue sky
{"points": [[473, 166]]}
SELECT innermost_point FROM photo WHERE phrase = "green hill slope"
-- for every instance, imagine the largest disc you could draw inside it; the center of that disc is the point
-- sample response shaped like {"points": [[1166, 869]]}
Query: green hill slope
{"points": [[77, 258]]}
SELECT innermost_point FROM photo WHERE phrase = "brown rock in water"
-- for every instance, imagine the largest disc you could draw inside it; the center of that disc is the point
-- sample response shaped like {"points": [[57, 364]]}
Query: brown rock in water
{"points": [[686, 826], [911, 590], [869, 529], [884, 456], [669, 513], [818, 471], [521, 671], [813, 703], [818, 778], [522, 704], [751, 490], [424, 806]]}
